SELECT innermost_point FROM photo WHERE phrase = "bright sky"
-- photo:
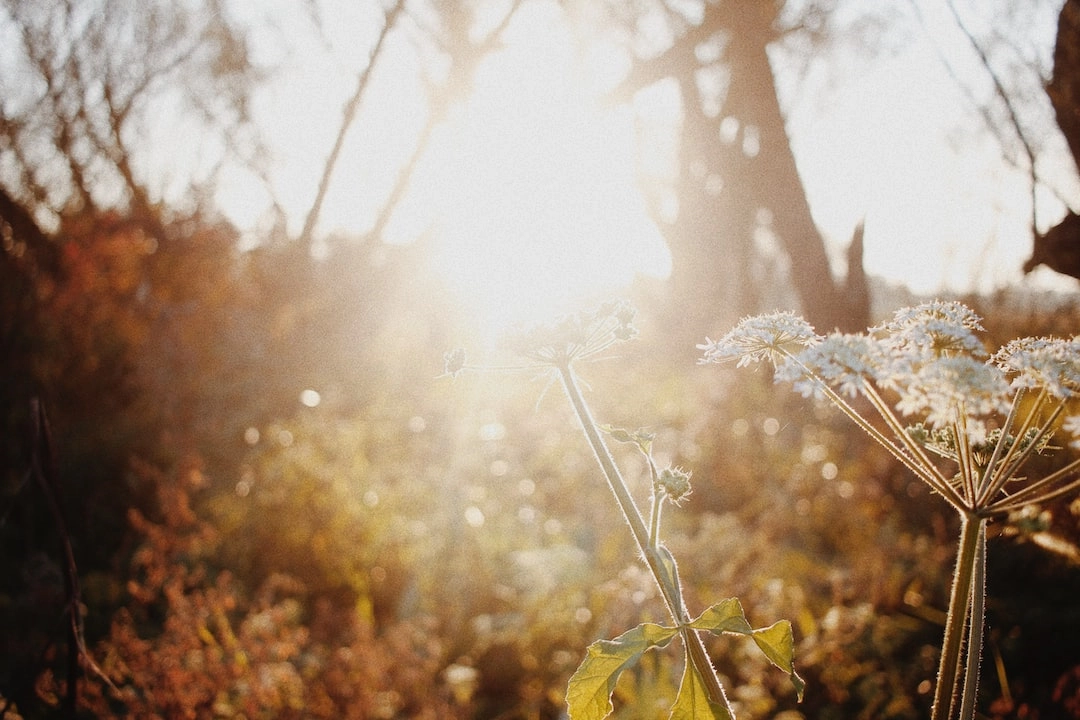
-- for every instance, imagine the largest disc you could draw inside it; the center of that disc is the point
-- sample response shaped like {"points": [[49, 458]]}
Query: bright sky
{"points": [[529, 190]]}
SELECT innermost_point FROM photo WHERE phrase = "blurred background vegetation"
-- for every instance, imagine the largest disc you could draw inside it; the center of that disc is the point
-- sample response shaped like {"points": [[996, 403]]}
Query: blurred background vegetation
{"points": [[277, 507]]}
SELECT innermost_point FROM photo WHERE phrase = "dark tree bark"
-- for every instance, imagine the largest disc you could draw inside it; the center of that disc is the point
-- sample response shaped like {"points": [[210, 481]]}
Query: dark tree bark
{"points": [[1064, 87], [732, 186], [1059, 247], [772, 177]]}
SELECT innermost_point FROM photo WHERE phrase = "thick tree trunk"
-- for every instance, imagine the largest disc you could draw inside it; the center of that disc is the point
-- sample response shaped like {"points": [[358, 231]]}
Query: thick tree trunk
{"points": [[1059, 247], [733, 185], [1064, 87], [772, 176]]}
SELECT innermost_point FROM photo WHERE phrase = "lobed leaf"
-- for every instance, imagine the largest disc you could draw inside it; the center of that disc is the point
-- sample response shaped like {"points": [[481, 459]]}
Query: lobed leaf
{"points": [[778, 644], [724, 616], [588, 695], [639, 437], [693, 701], [776, 641]]}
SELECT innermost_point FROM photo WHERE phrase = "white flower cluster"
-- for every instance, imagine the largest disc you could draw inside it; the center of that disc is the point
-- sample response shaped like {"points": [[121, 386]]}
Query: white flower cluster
{"points": [[927, 363], [1049, 363], [770, 337], [928, 355], [576, 336]]}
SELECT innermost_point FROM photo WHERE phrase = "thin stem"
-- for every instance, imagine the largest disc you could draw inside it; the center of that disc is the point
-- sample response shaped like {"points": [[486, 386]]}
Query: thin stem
{"points": [[1044, 430], [657, 504], [966, 463], [603, 457], [986, 484], [866, 427], [975, 627], [1037, 492], [695, 647], [956, 621], [931, 475], [914, 460]]}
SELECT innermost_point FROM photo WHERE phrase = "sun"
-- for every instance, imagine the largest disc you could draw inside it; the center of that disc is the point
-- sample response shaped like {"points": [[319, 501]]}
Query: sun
{"points": [[531, 185]]}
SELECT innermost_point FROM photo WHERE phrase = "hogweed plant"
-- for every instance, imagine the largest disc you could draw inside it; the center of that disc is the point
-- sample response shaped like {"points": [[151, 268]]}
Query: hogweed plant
{"points": [[964, 421], [557, 349]]}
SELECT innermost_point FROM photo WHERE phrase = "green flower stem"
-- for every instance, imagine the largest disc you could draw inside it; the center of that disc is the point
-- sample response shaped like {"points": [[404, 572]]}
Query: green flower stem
{"points": [[665, 578], [914, 459], [1042, 433], [1039, 491], [654, 519], [603, 457], [975, 629], [968, 472], [989, 483], [930, 473], [972, 537]]}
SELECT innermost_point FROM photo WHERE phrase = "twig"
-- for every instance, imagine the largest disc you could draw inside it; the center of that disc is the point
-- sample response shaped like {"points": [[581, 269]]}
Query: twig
{"points": [[347, 117], [43, 466]]}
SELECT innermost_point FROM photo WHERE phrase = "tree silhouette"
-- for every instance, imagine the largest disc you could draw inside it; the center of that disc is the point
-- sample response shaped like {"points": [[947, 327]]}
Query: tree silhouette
{"points": [[1059, 247], [737, 175]]}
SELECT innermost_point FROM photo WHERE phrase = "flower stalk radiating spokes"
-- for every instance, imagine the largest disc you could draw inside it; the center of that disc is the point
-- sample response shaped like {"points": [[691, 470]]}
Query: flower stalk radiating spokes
{"points": [[985, 416]]}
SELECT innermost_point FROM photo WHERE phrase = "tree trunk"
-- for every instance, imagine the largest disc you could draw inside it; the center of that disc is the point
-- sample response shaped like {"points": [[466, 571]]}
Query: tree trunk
{"points": [[772, 177], [1059, 247], [733, 185]]}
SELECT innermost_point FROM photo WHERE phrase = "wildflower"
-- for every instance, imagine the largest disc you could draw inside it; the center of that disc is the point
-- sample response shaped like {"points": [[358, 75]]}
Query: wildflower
{"points": [[950, 387], [841, 360], [1042, 362], [576, 336], [775, 337], [934, 328], [675, 483], [931, 358]]}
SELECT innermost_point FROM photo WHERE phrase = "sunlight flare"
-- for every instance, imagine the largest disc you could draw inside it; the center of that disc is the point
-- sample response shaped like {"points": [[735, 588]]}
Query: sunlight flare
{"points": [[536, 206]]}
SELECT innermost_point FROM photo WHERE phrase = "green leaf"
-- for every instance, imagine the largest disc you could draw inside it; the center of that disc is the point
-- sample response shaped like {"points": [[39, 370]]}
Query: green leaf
{"points": [[776, 641], [638, 437], [778, 644], [693, 701], [588, 695], [724, 616]]}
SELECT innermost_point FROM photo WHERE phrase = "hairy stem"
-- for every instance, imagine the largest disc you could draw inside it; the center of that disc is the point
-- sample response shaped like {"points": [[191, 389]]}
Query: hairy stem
{"points": [[972, 529], [987, 484], [975, 627], [664, 577], [603, 457]]}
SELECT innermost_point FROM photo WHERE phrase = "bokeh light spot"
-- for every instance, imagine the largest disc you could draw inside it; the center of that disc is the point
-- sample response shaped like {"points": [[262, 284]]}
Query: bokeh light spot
{"points": [[474, 516], [740, 427], [492, 431]]}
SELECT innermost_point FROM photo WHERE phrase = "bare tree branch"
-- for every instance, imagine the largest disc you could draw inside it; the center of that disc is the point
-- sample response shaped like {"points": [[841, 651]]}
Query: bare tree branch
{"points": [[1003, 95], [440, 100], [347, 116]]}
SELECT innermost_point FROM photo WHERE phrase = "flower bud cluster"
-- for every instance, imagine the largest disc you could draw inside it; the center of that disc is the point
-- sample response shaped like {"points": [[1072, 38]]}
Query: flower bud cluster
{"points": [[675, 483]]}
